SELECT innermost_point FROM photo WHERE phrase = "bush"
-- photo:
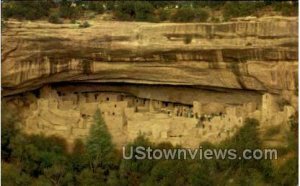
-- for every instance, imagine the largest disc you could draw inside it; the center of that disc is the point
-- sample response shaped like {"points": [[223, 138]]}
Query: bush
{"points": [[144, 11], [9, 129], [163, 14], [286, 8], [12, 175], [134, 170], [54, 18], [26, 9], [174, 172], [236, 9], [287, 174], [125, 11], [138, 11], [188, 14], [184, 15], [201, 15], [85, 24], [96, 6], [66, 10]]}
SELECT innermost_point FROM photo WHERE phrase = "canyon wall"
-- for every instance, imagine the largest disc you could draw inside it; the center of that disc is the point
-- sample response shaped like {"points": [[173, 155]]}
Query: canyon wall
{"points": [[186, 76]]}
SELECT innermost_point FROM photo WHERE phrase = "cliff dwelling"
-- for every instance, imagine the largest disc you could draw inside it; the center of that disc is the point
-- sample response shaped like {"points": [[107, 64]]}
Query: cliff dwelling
{"points": [[146, 80], [142, 93], [68, 111]]}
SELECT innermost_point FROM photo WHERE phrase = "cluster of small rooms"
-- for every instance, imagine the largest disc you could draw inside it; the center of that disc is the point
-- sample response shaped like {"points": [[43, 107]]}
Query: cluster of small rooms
{"points": [[70, 115]]}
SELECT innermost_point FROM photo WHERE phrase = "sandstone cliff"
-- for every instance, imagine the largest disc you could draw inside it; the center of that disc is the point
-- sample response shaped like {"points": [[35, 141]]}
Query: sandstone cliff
{"points": [[256, 54], [189, 69]]}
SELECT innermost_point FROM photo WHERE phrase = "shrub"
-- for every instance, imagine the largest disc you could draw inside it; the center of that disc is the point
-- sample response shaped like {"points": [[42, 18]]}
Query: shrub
{"points": [[85, 24], [9, 129], [66, 10], [169, 172], [12, 175], [96, 6], [134, 169], [287, 174], [188, 14], [236, 9], [286, 8], [201, 15], [125, 11], [26, 9], [144, 11], [138, 11], [110, 5], [54, 18], [163, 14], [184, 15]]}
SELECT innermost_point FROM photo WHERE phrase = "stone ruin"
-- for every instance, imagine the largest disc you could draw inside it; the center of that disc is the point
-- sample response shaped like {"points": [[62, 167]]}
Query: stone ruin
{"points": [[70, 115]]}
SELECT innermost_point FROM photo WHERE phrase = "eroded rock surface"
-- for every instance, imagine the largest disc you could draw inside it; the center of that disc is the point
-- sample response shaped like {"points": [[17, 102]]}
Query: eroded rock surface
{"points": [[219, 66]]}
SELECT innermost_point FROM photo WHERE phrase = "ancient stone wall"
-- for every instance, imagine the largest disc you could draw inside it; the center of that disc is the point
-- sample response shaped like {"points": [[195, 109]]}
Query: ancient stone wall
{"points": [[70, 115], [146, 79]]}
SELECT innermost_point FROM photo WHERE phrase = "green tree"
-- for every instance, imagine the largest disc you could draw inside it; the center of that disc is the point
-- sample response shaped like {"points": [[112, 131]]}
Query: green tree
{"points": [[287, 174], [144, 11], [186, 14], [125, 11], [135, 10], [89, 178], [9, 130], [26, 9], [99, 143], [36, 152], [240, 9], [170, 172], [67, 10], [96, 6], [134, 170], [12, 175], [55, 174], [78, 159]]}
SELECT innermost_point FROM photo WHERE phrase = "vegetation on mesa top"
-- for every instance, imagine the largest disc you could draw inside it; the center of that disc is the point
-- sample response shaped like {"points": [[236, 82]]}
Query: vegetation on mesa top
{"points": [[40, 160], [152, 11]]}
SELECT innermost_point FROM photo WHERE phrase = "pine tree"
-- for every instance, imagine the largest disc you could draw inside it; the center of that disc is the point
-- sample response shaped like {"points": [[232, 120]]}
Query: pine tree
{"points": [[99, 142]]}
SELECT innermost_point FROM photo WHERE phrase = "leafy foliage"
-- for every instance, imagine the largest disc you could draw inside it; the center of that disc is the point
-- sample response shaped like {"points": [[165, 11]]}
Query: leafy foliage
{"points": [[9, 129], [240, 9], [99, 143], [41, 160], [26, 9], [188, 14], [286, 8], [287, 173], [96, 6], [135, 10], [152, 11], [69, 10]]}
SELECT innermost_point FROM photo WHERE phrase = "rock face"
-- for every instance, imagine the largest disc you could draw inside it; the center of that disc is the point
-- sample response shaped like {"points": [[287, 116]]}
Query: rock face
{"points": [[216, 66]]}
